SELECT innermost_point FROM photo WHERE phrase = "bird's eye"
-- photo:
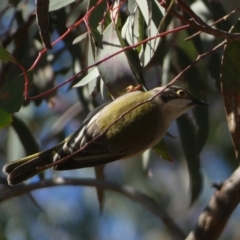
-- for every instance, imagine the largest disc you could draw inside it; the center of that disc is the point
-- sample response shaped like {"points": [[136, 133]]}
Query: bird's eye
{"points": [[181, 93]]}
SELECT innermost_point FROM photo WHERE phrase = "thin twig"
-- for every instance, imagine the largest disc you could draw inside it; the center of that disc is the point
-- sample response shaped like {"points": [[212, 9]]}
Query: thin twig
{"points": [[192, 14], [199, 57], [215, 23], [198, 24]]}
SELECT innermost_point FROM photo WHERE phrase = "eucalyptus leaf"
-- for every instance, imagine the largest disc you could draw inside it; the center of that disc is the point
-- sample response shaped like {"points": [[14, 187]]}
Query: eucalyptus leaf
{"points": [[6, 56], [88, 78], [57, 4], [115, 72], [230, 84], [5, 118]]}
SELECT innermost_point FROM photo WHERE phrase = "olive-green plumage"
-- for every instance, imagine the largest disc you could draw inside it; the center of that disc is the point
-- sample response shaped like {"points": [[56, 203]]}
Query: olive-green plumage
{"points": [[138, 120], [126, 127]]}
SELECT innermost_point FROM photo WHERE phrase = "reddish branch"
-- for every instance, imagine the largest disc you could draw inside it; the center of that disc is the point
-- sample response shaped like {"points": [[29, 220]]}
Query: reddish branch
{"points": [[110, 56], [199, 57], [194, 22], [197, 23]]}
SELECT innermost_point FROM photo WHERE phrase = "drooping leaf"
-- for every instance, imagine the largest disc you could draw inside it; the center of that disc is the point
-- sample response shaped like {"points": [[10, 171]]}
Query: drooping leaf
{"points": [[161, 149], [30, 145], [42, 22], [115, 72], [75, 13], [214, 66], [188, 140], [6, 56], [146, 8], [5, 118], [230, 83], [133, 31], [193, 130], [99, 173], [88, 78], [133, 61], [80, 38], [196, 86], [57, 4], [97, 17], [11, 95], [90, 74], [25, 136], [201, 116]]}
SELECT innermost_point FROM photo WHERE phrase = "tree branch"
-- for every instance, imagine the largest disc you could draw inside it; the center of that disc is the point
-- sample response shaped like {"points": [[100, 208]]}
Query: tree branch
{"points": [[197, 23], [213, 219]]}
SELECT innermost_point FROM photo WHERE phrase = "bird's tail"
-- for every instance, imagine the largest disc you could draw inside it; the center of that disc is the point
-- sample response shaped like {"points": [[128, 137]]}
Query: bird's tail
{"points": [[27, 167]]}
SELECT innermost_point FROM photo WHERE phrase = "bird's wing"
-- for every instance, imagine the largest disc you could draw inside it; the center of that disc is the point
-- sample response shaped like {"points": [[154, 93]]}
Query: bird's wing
{"points": [[90, 161], [99, 141]]}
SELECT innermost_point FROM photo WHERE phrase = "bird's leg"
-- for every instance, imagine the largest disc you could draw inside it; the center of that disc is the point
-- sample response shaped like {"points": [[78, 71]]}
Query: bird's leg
{"points": [[132, 88]]}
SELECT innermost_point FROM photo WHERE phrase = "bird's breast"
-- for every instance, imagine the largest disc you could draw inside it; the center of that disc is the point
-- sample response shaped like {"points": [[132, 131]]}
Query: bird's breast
{"points": [[135, 129]]}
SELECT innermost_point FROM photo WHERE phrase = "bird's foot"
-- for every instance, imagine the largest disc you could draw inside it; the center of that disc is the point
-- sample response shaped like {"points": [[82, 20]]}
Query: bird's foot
{"points": [[132, 88]]}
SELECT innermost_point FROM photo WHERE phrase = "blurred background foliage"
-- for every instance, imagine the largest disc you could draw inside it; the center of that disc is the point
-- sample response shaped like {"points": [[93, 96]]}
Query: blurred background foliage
{"points": [[202, 150]]}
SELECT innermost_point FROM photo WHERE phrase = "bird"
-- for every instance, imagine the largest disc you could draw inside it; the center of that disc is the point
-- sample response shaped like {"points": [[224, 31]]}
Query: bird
{"points": [[123, 128]]}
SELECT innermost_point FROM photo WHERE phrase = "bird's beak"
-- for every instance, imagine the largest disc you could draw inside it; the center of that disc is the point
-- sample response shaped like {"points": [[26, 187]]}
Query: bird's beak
{"points": [[198, 102]]}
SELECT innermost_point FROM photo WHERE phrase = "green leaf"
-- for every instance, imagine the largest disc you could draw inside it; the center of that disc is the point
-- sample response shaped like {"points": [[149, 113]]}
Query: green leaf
{"points": [[5, 118], [29, 143], [161, 149], [88, 78], [80, 38], [100, 11], [133, 32], [57, 4], [75, 13], [230, 82], [115, 72], [193, 130], [99, 173], [11, 95], [186, 130], [42, 22], [25, 136], [196, 86], [133, 60], [6, 56], [133, 28]]}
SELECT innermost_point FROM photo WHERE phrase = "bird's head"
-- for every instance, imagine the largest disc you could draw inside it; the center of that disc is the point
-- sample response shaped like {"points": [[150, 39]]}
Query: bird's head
{"points": [[175, 101]]}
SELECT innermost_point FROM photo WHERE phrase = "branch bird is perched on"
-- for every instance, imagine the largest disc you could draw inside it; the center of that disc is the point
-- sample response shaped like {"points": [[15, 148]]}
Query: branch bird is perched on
{"points": [[127, 126]]}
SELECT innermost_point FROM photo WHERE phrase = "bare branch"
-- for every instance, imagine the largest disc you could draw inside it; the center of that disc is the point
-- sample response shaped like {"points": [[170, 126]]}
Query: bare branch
{"points": [[197, 23], [224, 18], [213, 219]]}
